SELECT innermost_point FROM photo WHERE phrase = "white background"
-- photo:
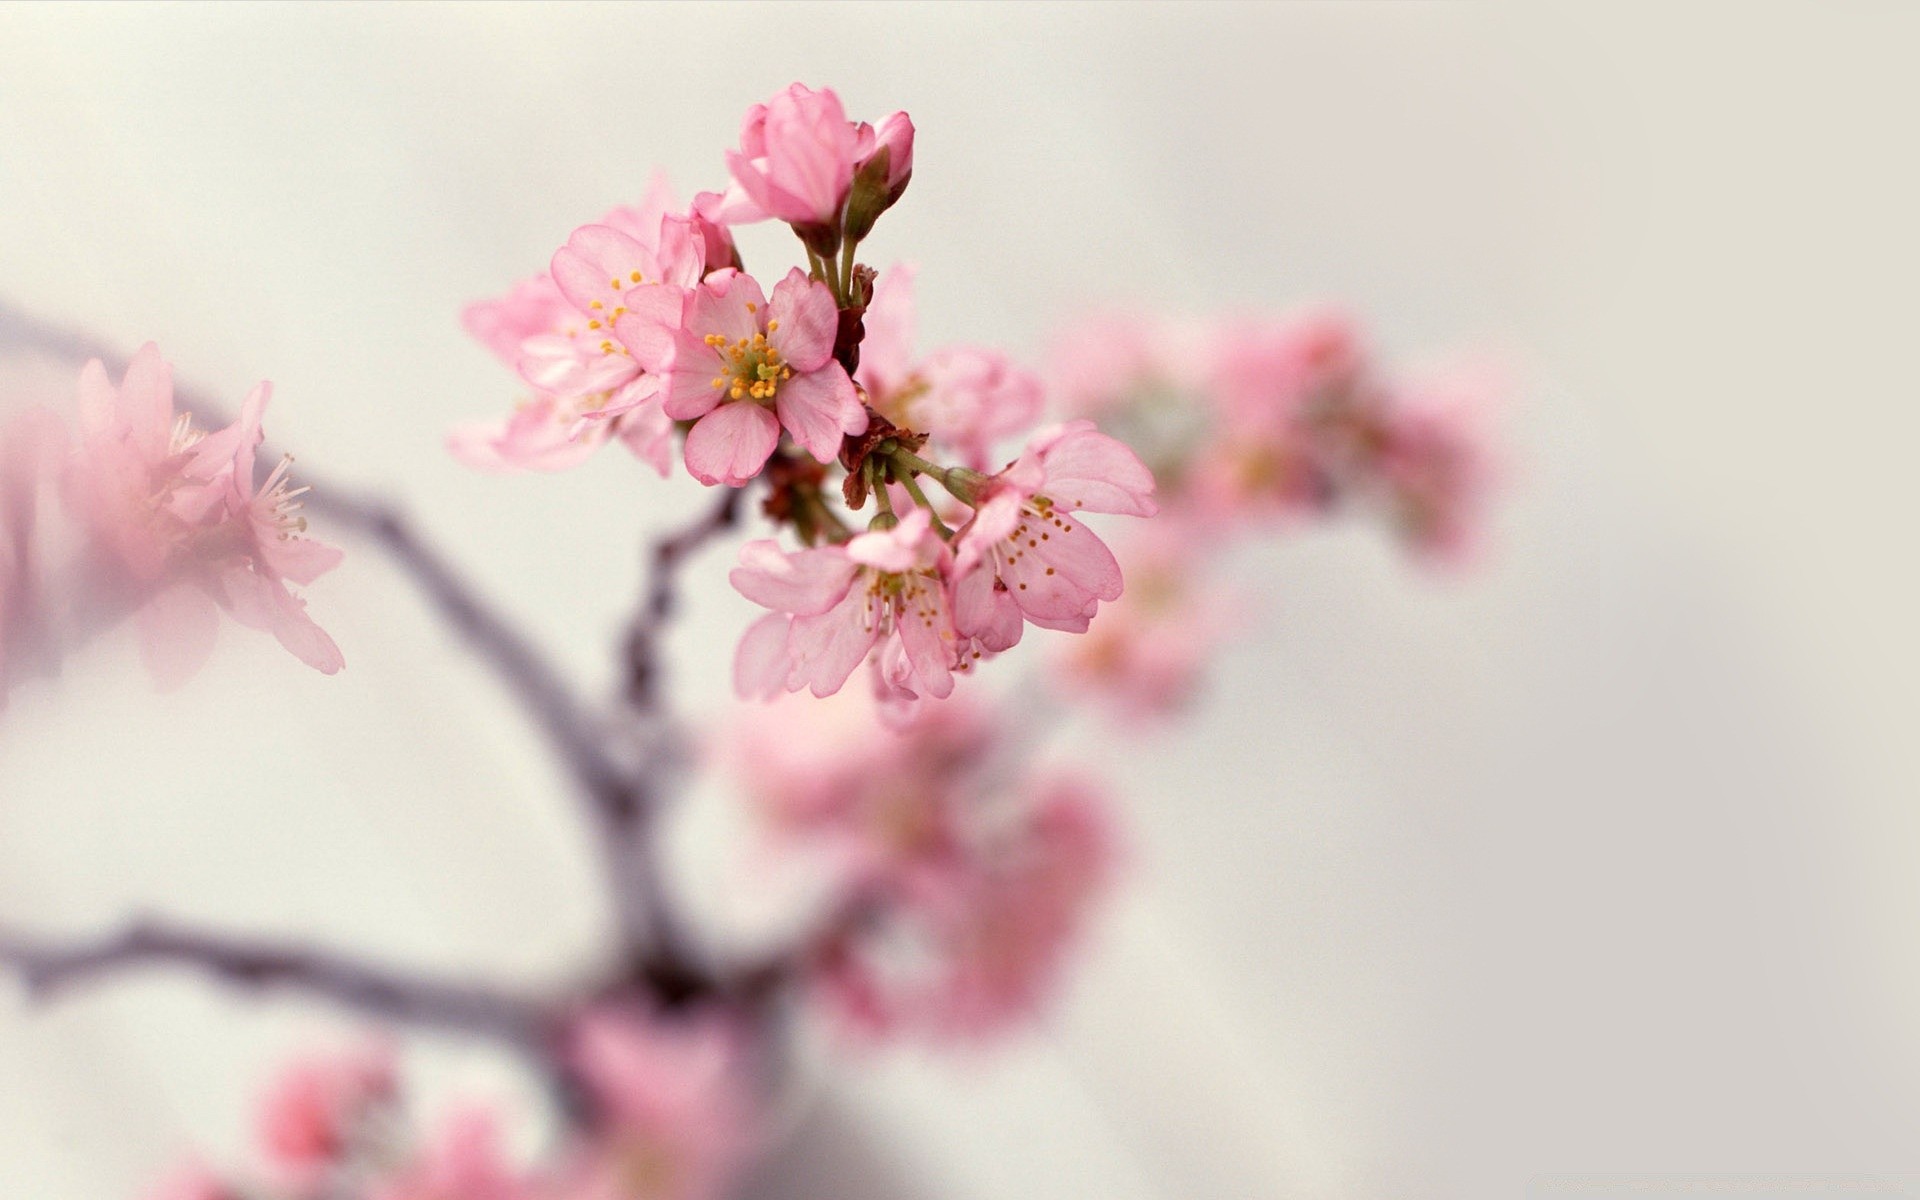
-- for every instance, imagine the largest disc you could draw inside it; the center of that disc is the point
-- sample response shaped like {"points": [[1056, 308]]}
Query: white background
{"points": [[1601, 859]]}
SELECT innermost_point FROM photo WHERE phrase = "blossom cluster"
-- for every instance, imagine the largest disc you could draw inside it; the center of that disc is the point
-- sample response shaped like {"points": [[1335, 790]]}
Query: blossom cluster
{"points": [[668, 1115], [136, 513], [646, 328], [959, 875], [1251, 425]]}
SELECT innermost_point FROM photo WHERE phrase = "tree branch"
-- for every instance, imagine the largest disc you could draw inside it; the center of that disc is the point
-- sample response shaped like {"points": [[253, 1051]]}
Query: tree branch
{"points": [[48, 968], [661, 599]]}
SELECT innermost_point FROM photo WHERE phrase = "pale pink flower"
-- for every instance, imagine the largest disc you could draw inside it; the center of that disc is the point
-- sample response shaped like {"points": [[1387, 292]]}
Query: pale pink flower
{"points": [[973, 953], [796, 157], [311, 1115], [1028, 552], [1434, 469], [670, 1118], [180, 514], [968, 398], [743, 368], [835, 605], [1146, 655], [557, 331], [1267, 374], [464, 1161]]}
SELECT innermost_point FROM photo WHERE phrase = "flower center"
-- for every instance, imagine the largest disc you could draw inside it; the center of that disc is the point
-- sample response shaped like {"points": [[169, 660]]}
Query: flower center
{"points": [[751, 369]]}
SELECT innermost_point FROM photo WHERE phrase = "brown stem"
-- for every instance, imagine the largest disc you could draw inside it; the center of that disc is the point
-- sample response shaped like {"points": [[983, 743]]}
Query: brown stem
{"points": [[661, 600], [48, 967]]}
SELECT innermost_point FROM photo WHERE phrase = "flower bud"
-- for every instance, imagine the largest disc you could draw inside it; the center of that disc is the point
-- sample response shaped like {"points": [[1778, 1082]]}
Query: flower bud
{"points": [[883, 164]]}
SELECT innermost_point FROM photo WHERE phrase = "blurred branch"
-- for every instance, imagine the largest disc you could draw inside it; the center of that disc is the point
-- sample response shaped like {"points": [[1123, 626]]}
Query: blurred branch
{"points": [[662, 598], [48, 968]]}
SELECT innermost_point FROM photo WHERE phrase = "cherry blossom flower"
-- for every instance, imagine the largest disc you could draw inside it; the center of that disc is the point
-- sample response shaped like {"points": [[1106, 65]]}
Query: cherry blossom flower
{"points": [[973, 953], [743, 368], [968, 398], [670, 1119], [835, 605], [311, 1116], [464, 1161], [796, 158], [1434, 471], [557, 332], [180, 514], [1146, 655], [1028, 552]]}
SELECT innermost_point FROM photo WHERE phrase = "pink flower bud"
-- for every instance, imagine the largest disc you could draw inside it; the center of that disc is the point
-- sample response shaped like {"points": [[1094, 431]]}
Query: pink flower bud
{"points": [[796, 154]]}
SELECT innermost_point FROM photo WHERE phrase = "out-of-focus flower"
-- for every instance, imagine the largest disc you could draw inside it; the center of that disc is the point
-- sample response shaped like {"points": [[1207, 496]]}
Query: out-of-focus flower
{"points": [[1028, 552], [834, 605], [1435, 470], [560, 332], [743, 368], [968, 398], [670, 1114], [970, 954], [1146, 655], [190, 530], [796, 157], [312, 1113], [464, 1161]]}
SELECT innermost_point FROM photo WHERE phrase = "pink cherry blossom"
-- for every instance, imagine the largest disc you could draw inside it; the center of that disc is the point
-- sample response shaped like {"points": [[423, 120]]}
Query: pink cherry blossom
{"points": [[970, 954], [310, 1116], [968, 398], [671, 1116], [1145, 657], [464, 1161], [835, 605], [796, 157], [189, 530], [742, 369], [1028, 552], [1433, 469]]}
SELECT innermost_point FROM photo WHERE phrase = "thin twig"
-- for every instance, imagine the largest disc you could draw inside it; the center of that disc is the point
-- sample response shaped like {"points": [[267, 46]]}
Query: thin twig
{"points": [[48, 967], [662, 599]]}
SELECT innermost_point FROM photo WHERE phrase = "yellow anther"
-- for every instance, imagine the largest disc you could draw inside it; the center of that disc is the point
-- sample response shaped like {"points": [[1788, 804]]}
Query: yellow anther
{"points": [[773, 326], [593, 324], [606, 346], [596, 304], [635, 276], [752, 307], [719, 381]]}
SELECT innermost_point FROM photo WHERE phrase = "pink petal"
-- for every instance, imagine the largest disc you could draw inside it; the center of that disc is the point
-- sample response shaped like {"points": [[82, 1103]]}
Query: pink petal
{"points": [[597, 266], [261, 603], [803, 582], [648, 432], [926, 633], [177, 631], [146, 400], [730, 304], [886, 354], [819, 408], [730, 444], [690, 391], [808, 321], [761, 665], [826, 648], [984, 610], [1088, 470], [655, 314]]}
